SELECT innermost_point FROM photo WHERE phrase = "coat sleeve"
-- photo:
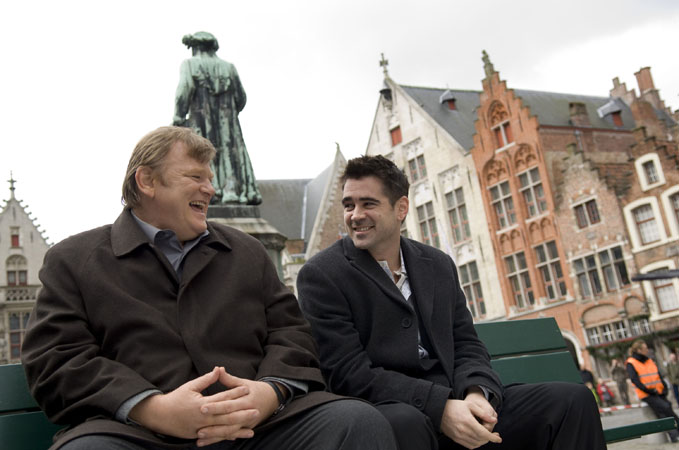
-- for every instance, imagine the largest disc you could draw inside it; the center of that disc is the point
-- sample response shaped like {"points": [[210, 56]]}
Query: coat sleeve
{"points": [[60, 355], [344, 360]]}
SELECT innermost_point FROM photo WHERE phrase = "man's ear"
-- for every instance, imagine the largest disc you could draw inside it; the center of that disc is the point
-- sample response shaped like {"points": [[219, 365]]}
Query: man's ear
{"points": [[402, 206], [146, 182]]}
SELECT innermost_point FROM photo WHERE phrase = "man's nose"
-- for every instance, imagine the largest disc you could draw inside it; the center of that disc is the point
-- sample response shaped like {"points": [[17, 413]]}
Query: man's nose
{"points": [[208, 188], [358, 213]]}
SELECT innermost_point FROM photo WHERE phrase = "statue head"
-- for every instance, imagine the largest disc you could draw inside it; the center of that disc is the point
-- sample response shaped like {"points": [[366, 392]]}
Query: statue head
{"points": [[202, 40]]}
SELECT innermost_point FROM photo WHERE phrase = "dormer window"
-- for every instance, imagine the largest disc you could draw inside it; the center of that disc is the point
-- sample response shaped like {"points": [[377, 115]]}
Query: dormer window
{"points": [[448, 99], [617, 118]]}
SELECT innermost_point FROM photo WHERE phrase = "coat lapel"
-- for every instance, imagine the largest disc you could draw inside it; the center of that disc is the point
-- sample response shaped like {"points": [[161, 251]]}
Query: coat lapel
{"points": [[367, 265], [421, 279], [200, 256]]}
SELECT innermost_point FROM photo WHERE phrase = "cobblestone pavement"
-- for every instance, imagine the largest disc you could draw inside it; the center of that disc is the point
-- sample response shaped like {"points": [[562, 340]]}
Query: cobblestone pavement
{"points": [[630, 416]]}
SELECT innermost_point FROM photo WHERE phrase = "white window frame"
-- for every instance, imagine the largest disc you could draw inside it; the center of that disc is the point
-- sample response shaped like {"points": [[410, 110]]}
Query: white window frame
{"points": [[641, 173], [672, 218], [631, 223], [649, 289]]}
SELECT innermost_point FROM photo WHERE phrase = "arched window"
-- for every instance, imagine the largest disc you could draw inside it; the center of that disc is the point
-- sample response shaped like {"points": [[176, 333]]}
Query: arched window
{"points": [[17, 271]]}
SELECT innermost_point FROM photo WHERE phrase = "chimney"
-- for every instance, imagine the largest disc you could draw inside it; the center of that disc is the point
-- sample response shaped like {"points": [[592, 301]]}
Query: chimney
{"points": [[578, 113], [647, 90]]}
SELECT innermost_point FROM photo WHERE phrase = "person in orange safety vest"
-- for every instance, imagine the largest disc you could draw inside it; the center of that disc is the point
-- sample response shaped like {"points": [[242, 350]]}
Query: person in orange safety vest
{"points": [[648, 383]]}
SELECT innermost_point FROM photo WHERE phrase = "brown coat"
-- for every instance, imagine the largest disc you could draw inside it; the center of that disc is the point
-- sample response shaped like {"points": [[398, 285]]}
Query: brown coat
{"points": [[112, 320]]}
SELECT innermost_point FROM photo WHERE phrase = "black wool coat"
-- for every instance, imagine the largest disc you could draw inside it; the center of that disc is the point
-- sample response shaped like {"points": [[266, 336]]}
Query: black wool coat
{"points": [[368, 334]]}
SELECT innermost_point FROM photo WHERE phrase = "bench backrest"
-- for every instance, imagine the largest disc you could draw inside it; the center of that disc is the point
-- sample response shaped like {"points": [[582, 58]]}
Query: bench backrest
{"points": [[22, 425], [528, 351]]}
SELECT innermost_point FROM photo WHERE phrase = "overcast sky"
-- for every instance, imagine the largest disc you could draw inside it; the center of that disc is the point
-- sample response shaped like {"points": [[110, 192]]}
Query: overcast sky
{"points": [[83, 81]]}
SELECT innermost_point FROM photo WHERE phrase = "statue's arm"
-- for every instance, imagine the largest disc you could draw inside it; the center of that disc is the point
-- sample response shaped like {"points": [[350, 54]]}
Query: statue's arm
{"points": [[183, 95], [239, 92]]}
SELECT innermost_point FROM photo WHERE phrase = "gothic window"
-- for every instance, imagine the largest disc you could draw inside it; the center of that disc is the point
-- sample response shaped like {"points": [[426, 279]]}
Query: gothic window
{"points": [[503, 205], [17, 274], [646, 224], [417, 168], [532, 191], [549, 266], [457, 213], [587, 214], [588, 276], [613, 268], [519, 279], [469, 280], [428, 230], [503, 135], [396, 137], [14, 236], [17, 328]]}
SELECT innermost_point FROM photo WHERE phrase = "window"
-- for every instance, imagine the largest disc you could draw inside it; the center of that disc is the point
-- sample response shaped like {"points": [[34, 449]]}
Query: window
{"points": [[503, 135], [621, 331], [17, 328], [428, 230], [646, 224], [14, 236], [396, 137], [588, 276], [640, 327], [457, 212], [650, 172], [665, 293], [451, 104], [613, 268], [17, 278], [519, 278], [587, 214], [417, 168], [549, 266], [469, 280], [503, 204], [617, 118], [674, 202], [593, 336], [532, 191]]}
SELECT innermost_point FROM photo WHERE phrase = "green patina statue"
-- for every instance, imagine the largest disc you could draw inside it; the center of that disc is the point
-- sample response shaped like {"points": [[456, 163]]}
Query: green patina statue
{"points": [[209, 98]]}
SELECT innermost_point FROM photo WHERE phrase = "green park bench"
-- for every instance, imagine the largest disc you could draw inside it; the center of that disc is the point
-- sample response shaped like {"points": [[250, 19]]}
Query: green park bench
{"points": [[522, 351], [533, 351]]}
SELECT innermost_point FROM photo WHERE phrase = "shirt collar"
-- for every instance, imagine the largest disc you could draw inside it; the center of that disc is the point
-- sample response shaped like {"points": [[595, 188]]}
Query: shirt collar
{"points": [[155, 234], [400, 272]]}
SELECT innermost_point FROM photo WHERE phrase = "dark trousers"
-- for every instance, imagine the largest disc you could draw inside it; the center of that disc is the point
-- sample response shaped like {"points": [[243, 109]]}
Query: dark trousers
{"points": [[662, 408], [338, 425], [557, 416]]}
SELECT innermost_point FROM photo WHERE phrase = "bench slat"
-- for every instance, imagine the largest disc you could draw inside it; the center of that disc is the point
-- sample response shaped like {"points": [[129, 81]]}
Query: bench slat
{"points": [[537, 368], [14, 393], [518, 337], [639, 429], [26, 431]]}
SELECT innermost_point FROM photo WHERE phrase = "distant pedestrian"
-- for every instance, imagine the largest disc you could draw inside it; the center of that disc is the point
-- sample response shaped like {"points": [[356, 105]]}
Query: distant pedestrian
{"points": [[619, 374], [673, 375], [605, 394]]}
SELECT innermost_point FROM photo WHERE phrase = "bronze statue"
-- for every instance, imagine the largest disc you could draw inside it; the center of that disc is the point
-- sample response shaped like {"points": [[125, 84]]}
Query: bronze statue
{"points": [[211, 94]]}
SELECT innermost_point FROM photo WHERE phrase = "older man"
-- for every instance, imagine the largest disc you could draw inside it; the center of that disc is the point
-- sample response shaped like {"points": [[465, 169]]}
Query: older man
{"points": [[166, 331], [393, 328]]}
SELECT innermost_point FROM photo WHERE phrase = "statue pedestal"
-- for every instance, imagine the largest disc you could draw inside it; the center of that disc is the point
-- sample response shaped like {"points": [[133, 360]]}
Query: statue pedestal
{"points": [[246, 218]]}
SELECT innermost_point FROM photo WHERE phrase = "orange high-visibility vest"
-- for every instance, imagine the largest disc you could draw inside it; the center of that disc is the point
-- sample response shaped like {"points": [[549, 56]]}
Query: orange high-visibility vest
{"points": [[648, 374]]}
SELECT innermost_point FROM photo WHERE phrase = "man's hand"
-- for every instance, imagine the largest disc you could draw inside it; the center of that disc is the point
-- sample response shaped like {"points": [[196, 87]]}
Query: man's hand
{"points": [[260, 398], [470, 422], [181, 413]]}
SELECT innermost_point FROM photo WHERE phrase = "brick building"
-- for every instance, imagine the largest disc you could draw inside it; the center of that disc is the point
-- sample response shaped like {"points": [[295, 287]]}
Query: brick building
{"points": [[549, 175], [22, 249]]}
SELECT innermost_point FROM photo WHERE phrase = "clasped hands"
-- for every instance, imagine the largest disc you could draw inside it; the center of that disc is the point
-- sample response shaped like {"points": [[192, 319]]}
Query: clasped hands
{"points": [[228, 415], [470, 422]]}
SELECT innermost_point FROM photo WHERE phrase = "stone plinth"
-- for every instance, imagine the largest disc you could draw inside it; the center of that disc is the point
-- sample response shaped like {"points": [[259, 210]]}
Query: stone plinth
{"points": [[246, 218]]}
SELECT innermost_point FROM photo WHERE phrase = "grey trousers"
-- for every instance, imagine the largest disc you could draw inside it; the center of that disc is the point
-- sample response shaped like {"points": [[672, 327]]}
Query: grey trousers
{"points": [[339, 425]]}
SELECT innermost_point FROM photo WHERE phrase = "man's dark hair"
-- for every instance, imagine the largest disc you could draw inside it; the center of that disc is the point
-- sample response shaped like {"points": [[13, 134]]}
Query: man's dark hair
{"points": [[394, 181]]}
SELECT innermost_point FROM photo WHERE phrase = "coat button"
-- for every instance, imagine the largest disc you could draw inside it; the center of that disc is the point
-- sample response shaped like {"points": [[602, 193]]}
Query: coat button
{"points": [[406, 322], [418, 403]]}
